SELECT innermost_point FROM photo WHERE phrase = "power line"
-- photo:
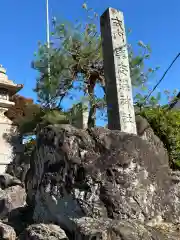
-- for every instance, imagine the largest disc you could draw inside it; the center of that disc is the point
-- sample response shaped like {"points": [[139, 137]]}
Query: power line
{"points": [[146, 98]]}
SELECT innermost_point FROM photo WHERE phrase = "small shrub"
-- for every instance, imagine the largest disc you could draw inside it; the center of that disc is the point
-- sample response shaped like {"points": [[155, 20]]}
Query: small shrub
{"points": [[166, 125]]}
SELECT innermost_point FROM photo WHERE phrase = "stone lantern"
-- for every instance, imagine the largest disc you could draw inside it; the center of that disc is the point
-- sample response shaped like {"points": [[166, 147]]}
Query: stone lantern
{"points": [[7, 89]]}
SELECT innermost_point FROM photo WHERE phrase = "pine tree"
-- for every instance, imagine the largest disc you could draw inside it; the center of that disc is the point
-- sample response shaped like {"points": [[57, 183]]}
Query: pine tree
{"points": [[75, 54]]}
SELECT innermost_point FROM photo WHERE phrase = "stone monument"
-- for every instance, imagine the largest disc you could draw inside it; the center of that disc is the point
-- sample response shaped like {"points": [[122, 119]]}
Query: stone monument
{"points": [[7, 89], [119, 98], [80, 117]]}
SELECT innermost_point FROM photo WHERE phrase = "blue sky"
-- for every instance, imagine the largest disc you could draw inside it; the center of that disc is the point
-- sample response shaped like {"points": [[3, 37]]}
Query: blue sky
{"points": [[23, 25]]}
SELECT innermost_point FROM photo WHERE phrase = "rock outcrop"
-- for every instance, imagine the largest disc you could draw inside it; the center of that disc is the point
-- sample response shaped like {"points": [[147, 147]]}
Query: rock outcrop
{"points": [[7, 232], [145, 131], [19, 166], [10, 199], [107, 229], [92, 184], [43, 232], [7, 180], [116, 181]]}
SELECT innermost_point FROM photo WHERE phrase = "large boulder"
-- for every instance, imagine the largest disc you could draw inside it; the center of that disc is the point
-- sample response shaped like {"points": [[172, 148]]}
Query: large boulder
{"points": [[7, 180], [43, 232], [19, 166], [19, 218], [100, 174], [145, 131], [10, 199], [7, 232], [108, 229]]}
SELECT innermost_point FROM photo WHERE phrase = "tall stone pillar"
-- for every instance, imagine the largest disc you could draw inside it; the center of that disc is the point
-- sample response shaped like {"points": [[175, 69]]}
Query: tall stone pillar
{"points": [[119, 98]]}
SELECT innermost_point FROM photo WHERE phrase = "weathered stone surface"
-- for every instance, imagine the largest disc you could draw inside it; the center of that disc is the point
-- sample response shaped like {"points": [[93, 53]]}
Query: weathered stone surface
{"points": [[11, 198], [7, 232], [99, 173], [6, 180], [107, 229], [156, 145], [19, 218], [145, 131], [19, 166], [119, 98], [43, 232]]}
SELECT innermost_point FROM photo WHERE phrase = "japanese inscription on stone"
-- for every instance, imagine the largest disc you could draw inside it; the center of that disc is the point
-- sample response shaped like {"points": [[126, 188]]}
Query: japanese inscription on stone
{"points": [[117, 73]]}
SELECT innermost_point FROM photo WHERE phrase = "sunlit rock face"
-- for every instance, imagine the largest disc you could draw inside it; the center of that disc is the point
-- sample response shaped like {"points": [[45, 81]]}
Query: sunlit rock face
{"points": [[99, 173]]}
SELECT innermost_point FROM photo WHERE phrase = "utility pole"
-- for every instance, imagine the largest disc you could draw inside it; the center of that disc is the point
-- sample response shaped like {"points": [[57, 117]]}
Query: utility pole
{"points": [[48, 40], [47, 23]]}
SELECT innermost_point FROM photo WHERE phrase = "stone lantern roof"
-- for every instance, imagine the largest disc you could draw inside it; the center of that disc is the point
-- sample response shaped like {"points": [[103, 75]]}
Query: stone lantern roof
{"points": [[7, 84]]}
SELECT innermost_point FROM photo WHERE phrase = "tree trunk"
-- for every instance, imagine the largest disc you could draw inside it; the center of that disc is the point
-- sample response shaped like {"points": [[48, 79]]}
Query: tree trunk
{"points": [[92, 112]]}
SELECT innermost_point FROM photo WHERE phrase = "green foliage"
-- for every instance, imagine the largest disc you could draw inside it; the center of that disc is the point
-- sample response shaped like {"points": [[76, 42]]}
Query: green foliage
{"points": [[75, 54], [44, 117], [143, 99], [74, 50], [27, 123], [29, 146], [139, 76], [166, 125]]}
